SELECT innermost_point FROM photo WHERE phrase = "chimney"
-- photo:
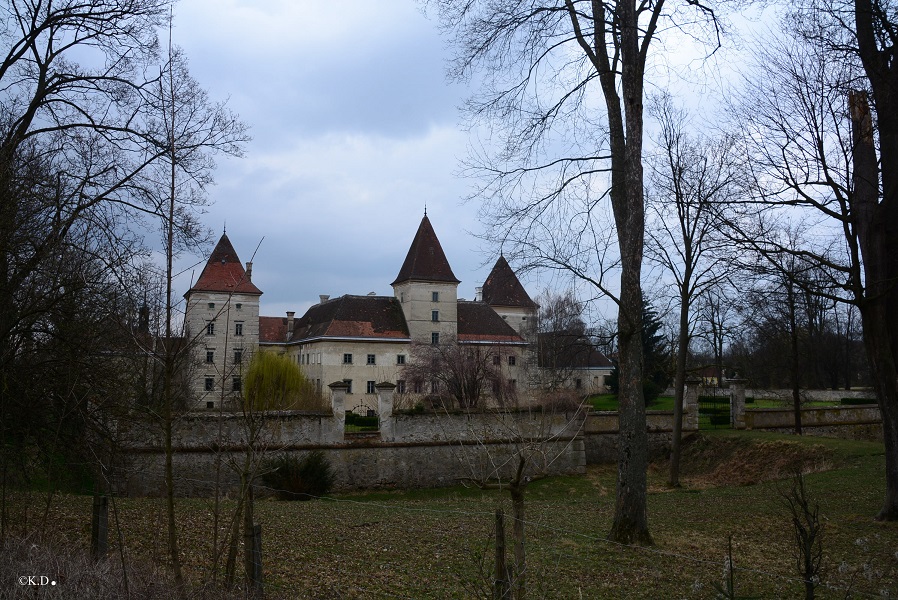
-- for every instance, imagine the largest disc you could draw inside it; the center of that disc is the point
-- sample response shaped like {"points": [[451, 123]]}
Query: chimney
{"points": [[323, 298], [478, 294], [249, 272], [290, 314]]}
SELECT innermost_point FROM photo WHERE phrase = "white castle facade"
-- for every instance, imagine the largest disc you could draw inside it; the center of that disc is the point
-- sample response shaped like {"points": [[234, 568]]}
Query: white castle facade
{"points": [[365, 340]]}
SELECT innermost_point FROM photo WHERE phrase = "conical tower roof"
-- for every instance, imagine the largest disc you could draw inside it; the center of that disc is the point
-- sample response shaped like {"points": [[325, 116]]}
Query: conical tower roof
{"points": [[503, 288], [425, 260], [224, 272]]}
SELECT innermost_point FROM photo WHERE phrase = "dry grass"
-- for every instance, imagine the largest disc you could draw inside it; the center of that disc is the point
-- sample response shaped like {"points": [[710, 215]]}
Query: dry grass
{"points": [[435, 543]]}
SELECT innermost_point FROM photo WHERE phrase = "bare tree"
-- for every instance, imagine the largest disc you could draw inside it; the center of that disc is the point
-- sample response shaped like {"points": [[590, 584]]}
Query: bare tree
{"points": [[560, 155], [533, 444], [812, 144], [692, 178], [461, 375], [563, 341]]}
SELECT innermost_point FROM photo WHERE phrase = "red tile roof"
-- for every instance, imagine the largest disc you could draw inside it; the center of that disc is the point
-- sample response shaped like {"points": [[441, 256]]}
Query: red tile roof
{"points": [[224, 272], [273, 329], [478, 322], [503, 288], [375, 317], [425, 260]]}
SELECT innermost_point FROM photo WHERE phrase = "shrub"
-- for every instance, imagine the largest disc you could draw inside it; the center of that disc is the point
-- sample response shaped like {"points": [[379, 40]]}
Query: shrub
{"points": [[294, 478], [362, 422], [856, 401]]}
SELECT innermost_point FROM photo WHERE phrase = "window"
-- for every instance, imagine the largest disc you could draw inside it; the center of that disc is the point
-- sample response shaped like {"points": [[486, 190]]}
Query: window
{"points": [[318, 385], [511, 360], [210, 384], [419, 387], [370, 360], [238, 357], [497, 360], [236, 384], [210, 405], [434, 315], [578, 383], [210, 328], [239, 306], [211, 305], [348, 382], [434, 386], [512, 384], [210, 356], [347, 359], [400, 386], [400, 359], [434, 296], [435, 338], [369, 387], [238, 328]]}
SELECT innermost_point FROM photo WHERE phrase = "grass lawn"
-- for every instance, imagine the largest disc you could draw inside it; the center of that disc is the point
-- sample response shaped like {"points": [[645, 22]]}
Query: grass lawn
{"points": [[436, 543], [609, 402]]}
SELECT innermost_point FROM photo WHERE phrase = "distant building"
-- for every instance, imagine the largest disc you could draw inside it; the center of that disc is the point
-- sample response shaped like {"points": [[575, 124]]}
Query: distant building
{"points": [[364, 340]]}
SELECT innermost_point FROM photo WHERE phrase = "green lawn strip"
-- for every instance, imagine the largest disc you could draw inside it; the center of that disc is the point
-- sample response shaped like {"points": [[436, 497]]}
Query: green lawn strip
{"points": [[437, 543]]}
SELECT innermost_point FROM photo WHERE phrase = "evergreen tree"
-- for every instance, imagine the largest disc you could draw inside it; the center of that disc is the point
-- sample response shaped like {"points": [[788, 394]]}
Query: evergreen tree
{"points": [[657, 357]]}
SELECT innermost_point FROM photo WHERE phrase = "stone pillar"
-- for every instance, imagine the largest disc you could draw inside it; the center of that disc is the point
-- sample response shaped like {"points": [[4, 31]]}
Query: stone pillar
{"points": [[737, 403], [690, 404], [385, 409], [338, 403]]}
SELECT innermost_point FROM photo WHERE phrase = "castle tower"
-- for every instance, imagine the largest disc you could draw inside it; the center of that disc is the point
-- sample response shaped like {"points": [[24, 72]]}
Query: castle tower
{"points": [[503, 291], [427, 289], [222, 319]]}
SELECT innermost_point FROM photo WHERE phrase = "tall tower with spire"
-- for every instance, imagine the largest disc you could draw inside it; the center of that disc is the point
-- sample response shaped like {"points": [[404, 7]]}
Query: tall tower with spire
{"points": [[222, 319], [427, 289], [503, 291]]}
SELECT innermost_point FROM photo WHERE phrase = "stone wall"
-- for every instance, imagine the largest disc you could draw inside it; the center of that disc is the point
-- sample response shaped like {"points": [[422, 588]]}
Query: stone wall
{"points": [[422, 450], [847, 422]]}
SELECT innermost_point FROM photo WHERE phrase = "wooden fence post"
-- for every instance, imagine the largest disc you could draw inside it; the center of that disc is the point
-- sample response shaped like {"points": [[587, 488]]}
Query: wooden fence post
{"points": [[501, 583], [99, 528], [257, 588]]}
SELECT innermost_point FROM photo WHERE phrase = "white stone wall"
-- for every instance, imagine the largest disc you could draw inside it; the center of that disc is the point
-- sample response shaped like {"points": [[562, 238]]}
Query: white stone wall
{"points": [[322, 362], [416, 298], [523, 320], [226, 312]]}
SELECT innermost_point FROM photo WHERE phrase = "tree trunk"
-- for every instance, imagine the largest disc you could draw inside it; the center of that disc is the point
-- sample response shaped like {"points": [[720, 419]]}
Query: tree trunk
{"points": [[793, 346], [879, 246], [248, 537], [679, 387], [630, 524]]}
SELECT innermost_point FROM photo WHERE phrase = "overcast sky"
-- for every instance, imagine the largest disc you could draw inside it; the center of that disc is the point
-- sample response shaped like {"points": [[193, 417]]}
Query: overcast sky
{"points": [[355, 130]]}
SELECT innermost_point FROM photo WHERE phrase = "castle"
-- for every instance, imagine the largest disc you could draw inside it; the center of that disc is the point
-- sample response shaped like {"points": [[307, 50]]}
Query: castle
{"points": [[365, 340]]}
